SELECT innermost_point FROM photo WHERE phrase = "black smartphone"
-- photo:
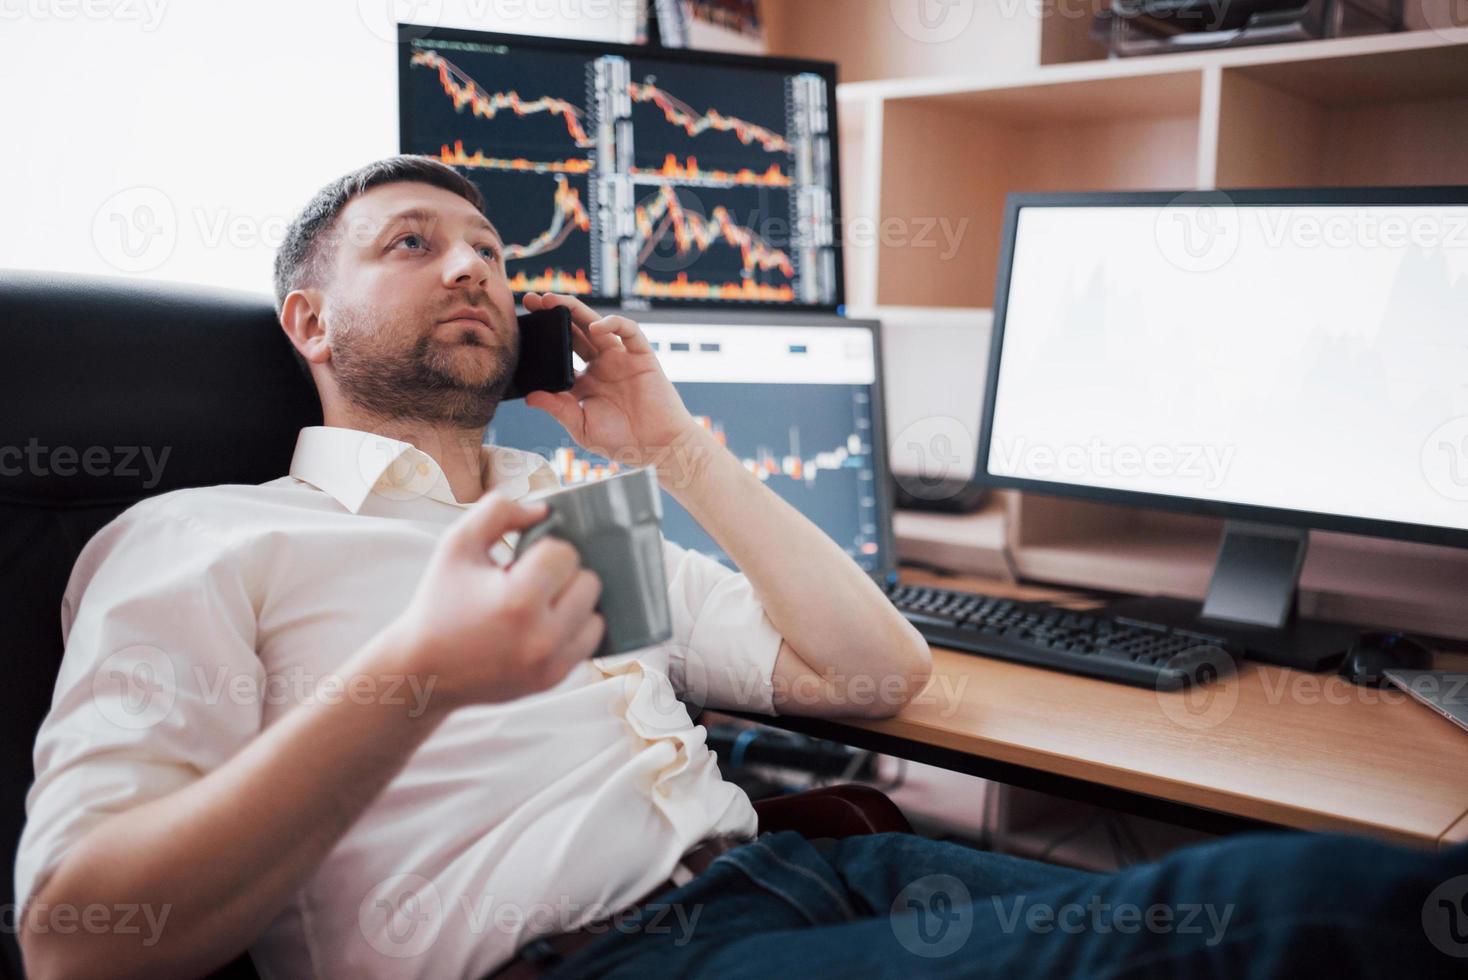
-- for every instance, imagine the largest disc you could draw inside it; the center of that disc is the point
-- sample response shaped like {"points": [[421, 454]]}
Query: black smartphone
{"points": [[545, 353]]}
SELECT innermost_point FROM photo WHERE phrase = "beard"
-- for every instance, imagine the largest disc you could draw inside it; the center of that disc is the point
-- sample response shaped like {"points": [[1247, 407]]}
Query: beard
{"points": [[429, 380]]}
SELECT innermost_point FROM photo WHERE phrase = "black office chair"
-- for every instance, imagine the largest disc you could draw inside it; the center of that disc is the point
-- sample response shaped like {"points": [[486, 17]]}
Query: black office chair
{"points": [[207, 376]]}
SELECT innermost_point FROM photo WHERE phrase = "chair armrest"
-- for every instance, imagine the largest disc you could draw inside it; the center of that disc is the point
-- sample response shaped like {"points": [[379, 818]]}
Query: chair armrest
{"points": [[833, 811]]}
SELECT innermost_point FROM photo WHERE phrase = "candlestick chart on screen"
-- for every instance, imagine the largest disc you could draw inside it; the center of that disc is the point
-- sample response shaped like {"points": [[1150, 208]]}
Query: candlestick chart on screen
{"points": [[636, 178]]}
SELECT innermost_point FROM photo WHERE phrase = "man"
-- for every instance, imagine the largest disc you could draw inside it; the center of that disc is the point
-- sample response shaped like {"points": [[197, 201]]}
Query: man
{"points": [[328, 720]]}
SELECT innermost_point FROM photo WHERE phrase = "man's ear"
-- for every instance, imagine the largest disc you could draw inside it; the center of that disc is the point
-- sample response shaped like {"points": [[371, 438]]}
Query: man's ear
{"points": [[300, 318]]}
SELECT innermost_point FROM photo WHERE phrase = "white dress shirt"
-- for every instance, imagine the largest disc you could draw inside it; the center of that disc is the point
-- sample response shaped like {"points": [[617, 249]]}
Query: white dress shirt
{"points": [[198, 617]]}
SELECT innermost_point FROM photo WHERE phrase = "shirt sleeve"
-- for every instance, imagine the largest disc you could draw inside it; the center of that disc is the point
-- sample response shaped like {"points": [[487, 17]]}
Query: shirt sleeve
{"points": [[723, 650], [159, 682]]}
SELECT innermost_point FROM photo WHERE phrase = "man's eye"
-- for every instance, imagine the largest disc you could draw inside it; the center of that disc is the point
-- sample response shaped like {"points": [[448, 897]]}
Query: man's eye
{"points": [[412, 241], [490, 252]]}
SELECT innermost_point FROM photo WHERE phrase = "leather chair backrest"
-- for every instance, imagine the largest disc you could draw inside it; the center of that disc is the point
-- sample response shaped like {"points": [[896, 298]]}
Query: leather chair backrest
{"points": [[113, 390]]}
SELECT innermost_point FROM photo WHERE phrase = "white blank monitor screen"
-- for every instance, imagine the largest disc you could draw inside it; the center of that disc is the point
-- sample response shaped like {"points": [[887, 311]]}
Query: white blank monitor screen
{"points": [[1307, 358]]}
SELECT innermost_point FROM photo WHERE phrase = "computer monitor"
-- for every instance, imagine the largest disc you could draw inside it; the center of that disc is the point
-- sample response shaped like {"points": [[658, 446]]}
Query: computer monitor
{"points": [[1285, 359], [642, 177], [800, 404]]}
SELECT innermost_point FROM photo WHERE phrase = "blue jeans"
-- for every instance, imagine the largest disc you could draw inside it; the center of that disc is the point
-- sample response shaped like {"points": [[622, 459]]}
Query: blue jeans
{"points": [[898, 905]]}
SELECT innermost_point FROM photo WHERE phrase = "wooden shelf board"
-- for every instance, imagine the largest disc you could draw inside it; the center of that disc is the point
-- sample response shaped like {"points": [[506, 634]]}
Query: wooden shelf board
{"points": [[1129, 97], [973, 543], [1392, 76], [1175, 565], [1148, 67], [1346, 577]]}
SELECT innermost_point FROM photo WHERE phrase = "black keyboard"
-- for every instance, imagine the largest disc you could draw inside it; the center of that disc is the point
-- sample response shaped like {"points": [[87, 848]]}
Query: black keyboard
{"points": [[1111, 648]]}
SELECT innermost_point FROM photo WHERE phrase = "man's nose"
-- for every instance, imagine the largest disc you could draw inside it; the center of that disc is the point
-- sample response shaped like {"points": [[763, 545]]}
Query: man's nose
{"points": [[465, 266]]}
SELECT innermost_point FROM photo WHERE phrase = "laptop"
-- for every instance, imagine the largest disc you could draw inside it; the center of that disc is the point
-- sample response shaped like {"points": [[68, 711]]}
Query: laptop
{"points": [[796, 397], [1444, 691]]}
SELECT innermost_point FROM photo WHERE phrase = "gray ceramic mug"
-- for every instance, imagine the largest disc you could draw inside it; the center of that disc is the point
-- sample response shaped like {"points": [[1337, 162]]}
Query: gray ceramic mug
{"points": [[615, 525]]}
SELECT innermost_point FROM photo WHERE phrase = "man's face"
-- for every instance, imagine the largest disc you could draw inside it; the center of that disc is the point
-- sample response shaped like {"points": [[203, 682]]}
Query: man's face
{"points": [[418, 313]]}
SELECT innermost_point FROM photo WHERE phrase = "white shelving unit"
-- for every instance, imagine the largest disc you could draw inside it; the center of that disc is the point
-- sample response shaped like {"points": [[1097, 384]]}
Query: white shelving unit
{"points": [[947, 137]]}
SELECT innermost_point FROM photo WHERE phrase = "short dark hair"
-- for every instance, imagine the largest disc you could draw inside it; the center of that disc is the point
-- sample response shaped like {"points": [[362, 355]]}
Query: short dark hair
{"points": [[302, 257]]}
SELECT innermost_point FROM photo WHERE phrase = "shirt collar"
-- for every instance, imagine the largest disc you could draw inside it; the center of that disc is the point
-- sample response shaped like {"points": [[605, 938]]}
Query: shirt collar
{"points": [[350, 465]]}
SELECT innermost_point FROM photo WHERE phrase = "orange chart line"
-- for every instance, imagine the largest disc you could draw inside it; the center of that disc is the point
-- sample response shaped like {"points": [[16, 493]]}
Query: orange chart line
{"points": [[465, 91], [679, 113], [570, 215], [692, 231]]}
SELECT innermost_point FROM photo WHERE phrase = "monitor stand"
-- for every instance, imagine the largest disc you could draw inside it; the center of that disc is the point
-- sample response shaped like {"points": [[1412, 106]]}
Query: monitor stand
{"points": [[1251, 601]]}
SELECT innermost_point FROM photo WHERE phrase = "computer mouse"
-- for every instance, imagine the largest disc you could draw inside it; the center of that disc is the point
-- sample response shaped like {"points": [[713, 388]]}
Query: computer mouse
{"points": [[1372, 653]]}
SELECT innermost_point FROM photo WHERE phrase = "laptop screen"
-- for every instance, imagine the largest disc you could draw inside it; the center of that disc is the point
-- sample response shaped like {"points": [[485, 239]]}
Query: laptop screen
{"points": [[798, 404]]}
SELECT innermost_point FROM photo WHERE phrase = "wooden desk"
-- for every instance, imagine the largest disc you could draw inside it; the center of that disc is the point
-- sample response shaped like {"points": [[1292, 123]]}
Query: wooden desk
{"points": [[1269, 746]]}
